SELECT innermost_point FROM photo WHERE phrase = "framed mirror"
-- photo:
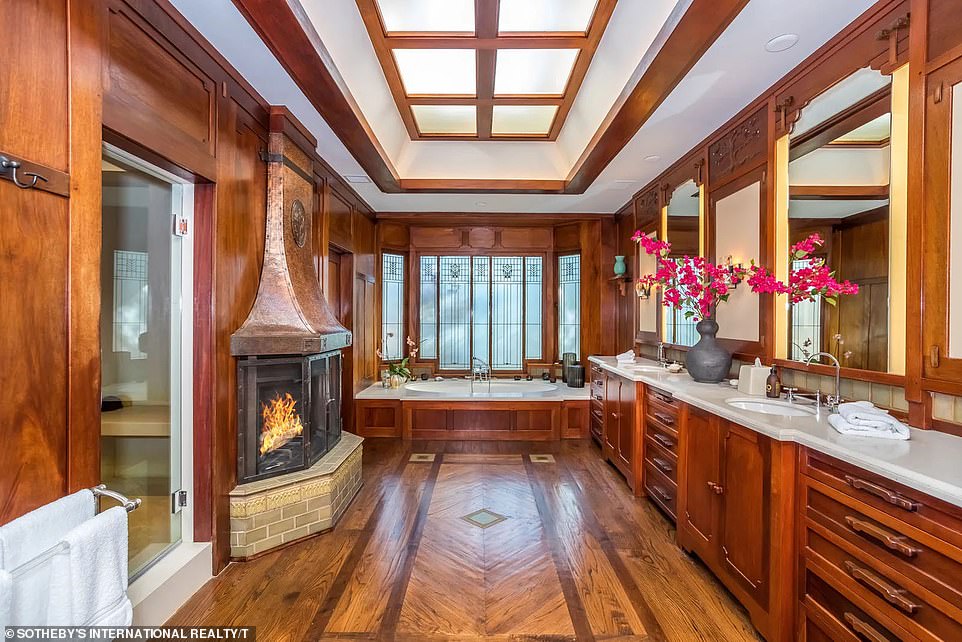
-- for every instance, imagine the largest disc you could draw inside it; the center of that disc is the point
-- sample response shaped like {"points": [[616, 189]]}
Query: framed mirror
{"points": [[841, 185], [682, 223]]}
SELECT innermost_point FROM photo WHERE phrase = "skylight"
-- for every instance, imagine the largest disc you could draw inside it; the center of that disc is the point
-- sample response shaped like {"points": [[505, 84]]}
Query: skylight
{"points": [[526, 16], [452, 120], [533, 71], [522, 120], [417, 16], [429, 71]]}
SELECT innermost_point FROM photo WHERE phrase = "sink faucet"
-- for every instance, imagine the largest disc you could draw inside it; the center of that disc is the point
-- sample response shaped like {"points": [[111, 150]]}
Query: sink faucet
{"points": [[831, 400], [480, 371], [661, 354]]}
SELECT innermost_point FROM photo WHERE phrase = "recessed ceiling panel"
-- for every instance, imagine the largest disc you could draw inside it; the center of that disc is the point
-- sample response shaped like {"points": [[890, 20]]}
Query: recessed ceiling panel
{"points": [[545, 15], [533, 71], [449, 120], [522, 120], [437, 72], [416, 16]]}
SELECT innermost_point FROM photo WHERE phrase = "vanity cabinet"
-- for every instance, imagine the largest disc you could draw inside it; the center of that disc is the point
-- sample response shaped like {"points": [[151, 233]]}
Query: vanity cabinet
{"points": [[661, 444], [621, 435], [596, 409], [734, 508]]}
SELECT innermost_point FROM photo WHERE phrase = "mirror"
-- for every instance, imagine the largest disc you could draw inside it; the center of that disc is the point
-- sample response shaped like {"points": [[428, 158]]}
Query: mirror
{"points": [[682, 223], [840, 179]]}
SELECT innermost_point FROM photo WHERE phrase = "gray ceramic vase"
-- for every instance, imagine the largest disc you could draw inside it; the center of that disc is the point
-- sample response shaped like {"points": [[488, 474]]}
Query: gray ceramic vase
{"points": [[707, 360]]}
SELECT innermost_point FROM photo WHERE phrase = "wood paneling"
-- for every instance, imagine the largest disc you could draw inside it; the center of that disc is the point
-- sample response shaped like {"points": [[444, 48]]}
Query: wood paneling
{"points": [[574, 419], [483, 421]]}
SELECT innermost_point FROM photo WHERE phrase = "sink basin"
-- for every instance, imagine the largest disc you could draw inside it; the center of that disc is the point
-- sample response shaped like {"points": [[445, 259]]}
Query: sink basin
{"points": [[770, 407], [643, 368]]}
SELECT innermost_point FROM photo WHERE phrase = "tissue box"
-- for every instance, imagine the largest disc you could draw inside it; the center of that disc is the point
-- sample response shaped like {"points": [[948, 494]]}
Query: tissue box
{"points": [[752, 379]]}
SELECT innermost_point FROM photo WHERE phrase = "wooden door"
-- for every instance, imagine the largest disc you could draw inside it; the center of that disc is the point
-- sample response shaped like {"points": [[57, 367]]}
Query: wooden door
{"points": [[941, 289], [700, 476], [745, 509], [612, 417], [626, 434]]}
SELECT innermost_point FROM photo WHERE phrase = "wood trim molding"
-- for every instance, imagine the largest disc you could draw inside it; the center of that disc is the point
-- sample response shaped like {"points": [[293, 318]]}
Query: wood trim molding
{"points": [[838, 192], [862, 112]]}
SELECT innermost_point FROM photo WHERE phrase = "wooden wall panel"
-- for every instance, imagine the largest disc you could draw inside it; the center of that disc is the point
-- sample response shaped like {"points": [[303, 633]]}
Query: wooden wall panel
{"points": [[340, 213], [526, 238], [428, 237]]}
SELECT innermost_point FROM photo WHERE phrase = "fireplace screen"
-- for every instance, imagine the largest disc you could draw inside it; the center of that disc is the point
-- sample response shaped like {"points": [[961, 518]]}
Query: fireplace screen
{"points": [[289, 413]]}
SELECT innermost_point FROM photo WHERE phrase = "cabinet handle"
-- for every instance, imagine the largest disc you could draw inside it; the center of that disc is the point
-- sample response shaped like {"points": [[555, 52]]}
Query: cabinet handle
{"points": [[615, 415], [664, 441], [597, 382], [599, 398], [668, 421], [864, 629], [891, 541], [718, 489], [884, 493], [661, 465], [663, 398], [665, 497], [894, 596]]}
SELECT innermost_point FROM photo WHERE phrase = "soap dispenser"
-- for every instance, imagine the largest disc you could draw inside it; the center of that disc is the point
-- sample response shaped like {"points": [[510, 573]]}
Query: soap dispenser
{"points": [[773, 386]]}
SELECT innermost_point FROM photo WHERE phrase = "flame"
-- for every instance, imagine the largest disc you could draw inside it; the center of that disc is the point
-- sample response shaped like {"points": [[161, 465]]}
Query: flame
{"points": [[281, 423]]}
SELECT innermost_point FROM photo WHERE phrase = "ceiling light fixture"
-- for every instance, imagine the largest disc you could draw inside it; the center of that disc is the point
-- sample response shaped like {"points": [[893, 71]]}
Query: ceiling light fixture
{"points": [[781, 43]]}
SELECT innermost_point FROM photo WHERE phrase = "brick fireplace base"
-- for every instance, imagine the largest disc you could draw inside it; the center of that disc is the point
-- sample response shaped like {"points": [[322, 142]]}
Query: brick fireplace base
{"points": [[272, 512]]}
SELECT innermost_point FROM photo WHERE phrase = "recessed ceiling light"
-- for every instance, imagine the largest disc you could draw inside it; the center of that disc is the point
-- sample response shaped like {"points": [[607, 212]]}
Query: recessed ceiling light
{"points": [[480, 204], [781, 43], [357, 179], [652, 158]]}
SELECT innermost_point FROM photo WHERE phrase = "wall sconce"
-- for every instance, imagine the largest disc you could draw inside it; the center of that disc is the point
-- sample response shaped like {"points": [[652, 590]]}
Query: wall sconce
{"points": [[643, 291], [733, 269]]}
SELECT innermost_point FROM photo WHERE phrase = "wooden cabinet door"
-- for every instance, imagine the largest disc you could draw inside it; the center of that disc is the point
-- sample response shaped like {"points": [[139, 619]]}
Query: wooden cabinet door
{"points": [[612, 414], [626, 435], [941, 242], [745, 509], [700, 475]]}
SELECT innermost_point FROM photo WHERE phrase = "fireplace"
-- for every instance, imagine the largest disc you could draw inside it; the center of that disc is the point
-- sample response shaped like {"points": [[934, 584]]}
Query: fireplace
{"points": [[289, 413]]}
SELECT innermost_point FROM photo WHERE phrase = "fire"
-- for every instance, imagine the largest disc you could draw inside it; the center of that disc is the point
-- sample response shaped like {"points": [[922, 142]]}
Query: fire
{"points": [[281, 423]]}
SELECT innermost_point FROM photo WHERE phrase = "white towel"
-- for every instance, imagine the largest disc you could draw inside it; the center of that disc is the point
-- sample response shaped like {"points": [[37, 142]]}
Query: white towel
{"points": [[880, 429], [626, 357], [88, 585], [26, 537], [6, 601]]}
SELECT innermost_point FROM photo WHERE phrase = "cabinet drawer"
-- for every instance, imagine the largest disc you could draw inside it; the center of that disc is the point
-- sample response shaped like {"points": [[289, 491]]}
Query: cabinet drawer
{"points": [[662, 490], [928, 561], [839, 618], [662, 435], [942, 520], [663, 398], [661, 458], [885, 590], [662, 413]]}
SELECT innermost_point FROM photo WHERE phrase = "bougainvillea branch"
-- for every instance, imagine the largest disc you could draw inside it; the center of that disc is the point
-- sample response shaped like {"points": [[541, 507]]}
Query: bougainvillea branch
{"points": [[696, 286]]}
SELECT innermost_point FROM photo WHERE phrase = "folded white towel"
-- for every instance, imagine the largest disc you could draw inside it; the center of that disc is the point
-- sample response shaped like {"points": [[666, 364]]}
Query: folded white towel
{"points": [[6, 601], [626, 357], [88, 585], [864, 413], [26, 537], [880, 429]]}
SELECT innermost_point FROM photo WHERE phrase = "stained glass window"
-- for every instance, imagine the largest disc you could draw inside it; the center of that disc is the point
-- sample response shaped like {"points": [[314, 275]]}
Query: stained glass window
{"points": [[569, 304], [392, 306]]}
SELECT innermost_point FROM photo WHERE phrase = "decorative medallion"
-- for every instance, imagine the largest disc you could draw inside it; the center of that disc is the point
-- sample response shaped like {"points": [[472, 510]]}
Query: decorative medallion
{"points": [[298, 223]]}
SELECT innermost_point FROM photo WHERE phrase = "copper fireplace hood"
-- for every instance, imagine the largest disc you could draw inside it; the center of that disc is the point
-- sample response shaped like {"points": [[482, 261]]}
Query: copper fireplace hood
{"points": [[290, 315]]}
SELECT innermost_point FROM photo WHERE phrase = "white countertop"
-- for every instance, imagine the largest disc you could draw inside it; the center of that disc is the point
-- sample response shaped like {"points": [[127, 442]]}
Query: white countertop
{"points": [[561, 393], [930, 462]]}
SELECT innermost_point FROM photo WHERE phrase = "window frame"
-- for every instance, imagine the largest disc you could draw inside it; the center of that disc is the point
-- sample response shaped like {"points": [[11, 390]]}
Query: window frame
{"points": [[548, 301]]}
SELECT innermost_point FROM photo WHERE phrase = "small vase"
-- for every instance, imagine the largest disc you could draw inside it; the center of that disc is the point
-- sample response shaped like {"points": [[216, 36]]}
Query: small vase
{"points": [[707, 360], [620, 267], [395, 381]]}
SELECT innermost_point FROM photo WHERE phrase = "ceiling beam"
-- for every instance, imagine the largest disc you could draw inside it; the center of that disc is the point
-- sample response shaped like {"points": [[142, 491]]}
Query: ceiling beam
{"points": [[485, 26], [425, 41]]}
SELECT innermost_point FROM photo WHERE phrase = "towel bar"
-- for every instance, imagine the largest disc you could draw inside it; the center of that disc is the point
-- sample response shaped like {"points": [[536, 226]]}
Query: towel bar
{"points": [[98, 491]]}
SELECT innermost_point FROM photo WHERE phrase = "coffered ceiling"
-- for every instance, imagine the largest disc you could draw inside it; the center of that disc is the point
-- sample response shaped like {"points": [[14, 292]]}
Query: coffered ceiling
{"points": [[663, 75], [485, 69]]}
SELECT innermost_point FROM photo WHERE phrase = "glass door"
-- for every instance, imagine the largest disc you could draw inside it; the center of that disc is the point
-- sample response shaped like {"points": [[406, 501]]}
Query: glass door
{"points": [[146, 345]]}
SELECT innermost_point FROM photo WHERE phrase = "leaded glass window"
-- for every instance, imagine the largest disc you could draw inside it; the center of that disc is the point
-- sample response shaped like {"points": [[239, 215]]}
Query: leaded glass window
{"points": [[392, 306]]}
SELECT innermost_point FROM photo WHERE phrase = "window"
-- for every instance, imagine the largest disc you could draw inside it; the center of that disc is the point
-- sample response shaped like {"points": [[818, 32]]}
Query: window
{"points": [[392, 306], [806, 323], [481, 307], [569, 304]]}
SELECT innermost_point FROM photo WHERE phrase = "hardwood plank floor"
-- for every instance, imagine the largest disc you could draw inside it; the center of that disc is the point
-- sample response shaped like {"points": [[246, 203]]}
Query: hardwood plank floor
{"points": [[569, 554]]}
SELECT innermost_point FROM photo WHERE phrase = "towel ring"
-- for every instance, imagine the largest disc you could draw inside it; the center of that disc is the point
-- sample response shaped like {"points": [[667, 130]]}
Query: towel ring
{"points": [[12, 166], [128, 503]]}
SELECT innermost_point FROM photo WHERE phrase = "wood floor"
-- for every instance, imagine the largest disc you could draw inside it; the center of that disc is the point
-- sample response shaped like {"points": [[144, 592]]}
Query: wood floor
{"points": [[565, 553]]}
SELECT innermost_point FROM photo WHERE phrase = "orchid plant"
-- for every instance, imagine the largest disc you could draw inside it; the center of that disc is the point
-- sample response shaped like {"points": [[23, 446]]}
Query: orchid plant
{"points": [[696, 286], [400, 368]]}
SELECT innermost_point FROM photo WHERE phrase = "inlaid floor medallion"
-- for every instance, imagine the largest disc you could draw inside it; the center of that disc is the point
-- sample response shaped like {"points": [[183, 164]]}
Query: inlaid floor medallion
{"points": [[483, 518]]}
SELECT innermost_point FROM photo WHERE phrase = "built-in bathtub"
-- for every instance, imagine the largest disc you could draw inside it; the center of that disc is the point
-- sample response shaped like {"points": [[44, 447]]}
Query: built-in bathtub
{"points": [[501, 409]]}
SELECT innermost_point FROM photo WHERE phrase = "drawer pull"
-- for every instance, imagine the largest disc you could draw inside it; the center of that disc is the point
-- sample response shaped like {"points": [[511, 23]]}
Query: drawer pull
{"points": [[894, 596], [864, 629], [718, 489], [615, 415], [664, 441], [891, 497], [599, 398], [598, 382], [668, 421], [662, 465], [891, 541], [668, 399], [662, 494]]}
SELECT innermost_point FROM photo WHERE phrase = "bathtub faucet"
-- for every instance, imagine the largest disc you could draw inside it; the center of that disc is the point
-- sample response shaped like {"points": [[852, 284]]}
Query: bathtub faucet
{"points": [[480, 371]]}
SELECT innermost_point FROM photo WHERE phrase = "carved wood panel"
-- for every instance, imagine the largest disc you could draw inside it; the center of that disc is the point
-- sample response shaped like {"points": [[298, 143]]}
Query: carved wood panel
{"points": [[739, 149]]}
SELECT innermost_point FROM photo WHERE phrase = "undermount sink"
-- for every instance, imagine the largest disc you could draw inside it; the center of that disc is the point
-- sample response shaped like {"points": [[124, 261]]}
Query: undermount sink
{"points": [[770, 407], [643, 368]]}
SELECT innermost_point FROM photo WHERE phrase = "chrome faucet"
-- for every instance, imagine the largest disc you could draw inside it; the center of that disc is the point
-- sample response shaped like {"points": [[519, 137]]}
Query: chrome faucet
{"points": [[661, 354], [480, 371], [832, 400]]}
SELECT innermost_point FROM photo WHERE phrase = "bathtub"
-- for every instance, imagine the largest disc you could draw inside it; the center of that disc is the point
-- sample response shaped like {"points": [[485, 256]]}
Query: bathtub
{"points": [[449, 409]]}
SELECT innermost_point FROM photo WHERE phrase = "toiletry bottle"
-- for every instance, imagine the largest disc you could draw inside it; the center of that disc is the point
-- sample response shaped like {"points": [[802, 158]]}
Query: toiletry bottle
{"points": [[773, 387]]}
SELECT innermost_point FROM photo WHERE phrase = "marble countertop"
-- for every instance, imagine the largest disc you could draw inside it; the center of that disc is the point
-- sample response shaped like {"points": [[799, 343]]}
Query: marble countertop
{"points": [[930, 462], [562, 393]]}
